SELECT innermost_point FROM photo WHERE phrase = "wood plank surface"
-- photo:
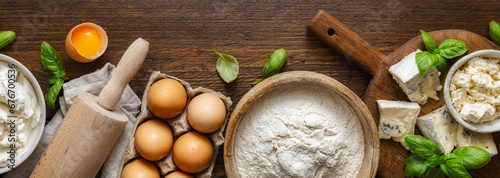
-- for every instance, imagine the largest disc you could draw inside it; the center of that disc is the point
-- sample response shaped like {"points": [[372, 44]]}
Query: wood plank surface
{"points": [[184, 34]]}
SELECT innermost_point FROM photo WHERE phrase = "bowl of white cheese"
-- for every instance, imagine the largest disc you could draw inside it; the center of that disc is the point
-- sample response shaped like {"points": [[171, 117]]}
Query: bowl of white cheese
{"points": [[22, 113], [472, 91], [301, 124]]}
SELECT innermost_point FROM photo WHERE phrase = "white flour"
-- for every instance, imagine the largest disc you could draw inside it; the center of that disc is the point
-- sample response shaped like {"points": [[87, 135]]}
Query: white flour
{"points": [[299, 131]]}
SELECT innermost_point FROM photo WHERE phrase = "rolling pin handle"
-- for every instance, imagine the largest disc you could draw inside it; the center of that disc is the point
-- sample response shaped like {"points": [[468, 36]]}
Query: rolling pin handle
{"points": [[344, 40], [128, 66]]}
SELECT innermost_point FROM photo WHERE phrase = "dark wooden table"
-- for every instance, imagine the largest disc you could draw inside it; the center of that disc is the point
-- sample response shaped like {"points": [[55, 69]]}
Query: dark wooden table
{"points": [[184, 34]]}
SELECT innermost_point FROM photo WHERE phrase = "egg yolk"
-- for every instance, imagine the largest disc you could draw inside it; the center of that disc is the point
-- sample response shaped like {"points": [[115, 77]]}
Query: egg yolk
{"points": [[86, 41]]}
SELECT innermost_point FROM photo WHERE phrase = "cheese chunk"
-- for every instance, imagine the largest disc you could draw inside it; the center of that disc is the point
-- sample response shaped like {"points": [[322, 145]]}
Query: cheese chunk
{"points": [[482, 140], [439, 127], [417, 87], [397, 119]]}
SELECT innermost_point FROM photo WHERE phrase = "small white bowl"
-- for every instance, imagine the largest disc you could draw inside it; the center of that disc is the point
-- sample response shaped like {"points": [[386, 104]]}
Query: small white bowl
{"points": [[485, 127], [36, 133]]}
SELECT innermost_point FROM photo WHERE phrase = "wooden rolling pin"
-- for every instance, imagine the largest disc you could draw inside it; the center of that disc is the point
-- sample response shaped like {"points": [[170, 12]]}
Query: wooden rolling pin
{"points": [[92, 125]]}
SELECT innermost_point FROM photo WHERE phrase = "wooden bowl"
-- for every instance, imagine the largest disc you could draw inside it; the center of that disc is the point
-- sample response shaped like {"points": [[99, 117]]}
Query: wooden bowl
{"points": [[371, 139]]}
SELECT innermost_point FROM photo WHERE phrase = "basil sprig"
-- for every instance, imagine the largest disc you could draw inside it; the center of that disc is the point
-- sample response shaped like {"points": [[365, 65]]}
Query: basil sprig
{"points": [[53, 64], [427, 161], [495, 32], [273, 66], [227, 67], [6, 37], [436, 56]]}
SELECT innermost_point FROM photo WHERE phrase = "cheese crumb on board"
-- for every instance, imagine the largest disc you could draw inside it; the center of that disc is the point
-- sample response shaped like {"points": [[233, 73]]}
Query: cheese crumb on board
{"points": [[397, 119], [299, 131], [475, 90], [440, 127], [417, 87], [485, 141]]}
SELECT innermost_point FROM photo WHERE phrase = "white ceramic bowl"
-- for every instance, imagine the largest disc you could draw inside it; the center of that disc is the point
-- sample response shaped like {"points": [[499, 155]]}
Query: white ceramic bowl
{"points": [[36, 133], [485, 127]]}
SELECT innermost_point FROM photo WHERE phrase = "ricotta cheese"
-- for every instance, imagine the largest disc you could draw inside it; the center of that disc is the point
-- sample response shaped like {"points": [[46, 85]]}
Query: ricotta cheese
{"points": [[475, 90], [26, 109], [439, 127], [417, 87], [299, 131], [397, 120]]}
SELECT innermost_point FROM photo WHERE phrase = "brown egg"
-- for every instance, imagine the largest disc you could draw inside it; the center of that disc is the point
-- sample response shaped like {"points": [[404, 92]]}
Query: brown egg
{"points": [[178, 174], [140, 168], [153, 139], [192, 152], [206, 113], [167, 98]]}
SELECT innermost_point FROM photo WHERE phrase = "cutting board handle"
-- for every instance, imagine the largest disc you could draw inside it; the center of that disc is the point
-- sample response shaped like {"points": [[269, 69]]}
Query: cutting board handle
{"points": [[128, 66], [344, 40]]}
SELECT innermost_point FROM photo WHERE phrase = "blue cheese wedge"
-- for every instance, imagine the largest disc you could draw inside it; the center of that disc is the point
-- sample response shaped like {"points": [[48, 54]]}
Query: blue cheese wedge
{"points": [[439, 127], [397, 119], [485, 141], [417, 87]]}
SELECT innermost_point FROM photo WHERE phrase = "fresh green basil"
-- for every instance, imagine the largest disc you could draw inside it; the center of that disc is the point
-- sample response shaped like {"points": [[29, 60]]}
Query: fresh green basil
{"points": [[432, 161], [452, 48], [227, 67], [435, 173], [495, 32], [452, 166], [430, 44], [422, 147], [53, 64], [472, 157], [426, 60], [274, 64], [415, 167], [436, 56], [51, 96], [6, 37], [51, 61]]}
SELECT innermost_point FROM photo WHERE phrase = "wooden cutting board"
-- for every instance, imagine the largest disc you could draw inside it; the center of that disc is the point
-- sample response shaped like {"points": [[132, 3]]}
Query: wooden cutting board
{"points": [[383, 86]]}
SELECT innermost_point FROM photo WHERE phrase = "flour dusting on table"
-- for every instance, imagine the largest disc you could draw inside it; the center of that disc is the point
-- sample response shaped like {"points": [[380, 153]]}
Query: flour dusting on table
{"points": [[299, 130]]}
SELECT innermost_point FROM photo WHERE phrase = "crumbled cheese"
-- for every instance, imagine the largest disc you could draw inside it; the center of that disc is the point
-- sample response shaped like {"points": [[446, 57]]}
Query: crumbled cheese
{"points": [[475, 90], [26, 109], [299, 131]]}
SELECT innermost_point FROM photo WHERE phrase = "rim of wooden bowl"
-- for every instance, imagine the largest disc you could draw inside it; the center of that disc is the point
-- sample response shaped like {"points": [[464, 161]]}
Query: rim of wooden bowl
{"points": [[372, 143]]}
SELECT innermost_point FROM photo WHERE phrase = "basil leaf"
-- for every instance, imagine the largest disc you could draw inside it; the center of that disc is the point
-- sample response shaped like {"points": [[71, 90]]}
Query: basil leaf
{"points": [[422, 147], [227, 67], [432, 161], [51, 96], [6, 37], [274, 64], [452, 48], [452, 166], [435, 173], [472, 157], [51, 61], [426, 60], [429, 42], [495, 32], [441, 63], [416, 167]]}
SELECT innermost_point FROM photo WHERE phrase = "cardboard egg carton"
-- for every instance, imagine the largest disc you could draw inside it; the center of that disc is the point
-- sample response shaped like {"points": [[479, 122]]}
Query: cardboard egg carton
{"points": [[179, 125]]}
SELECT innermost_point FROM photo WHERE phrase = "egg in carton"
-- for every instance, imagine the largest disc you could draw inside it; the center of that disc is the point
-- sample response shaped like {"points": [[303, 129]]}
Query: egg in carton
{"points": [[179, 125]]}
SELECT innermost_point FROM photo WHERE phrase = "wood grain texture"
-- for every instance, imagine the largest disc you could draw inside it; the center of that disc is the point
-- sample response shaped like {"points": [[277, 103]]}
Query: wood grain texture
{"points": [[83, 140], [383, 86], [184, 34]]}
